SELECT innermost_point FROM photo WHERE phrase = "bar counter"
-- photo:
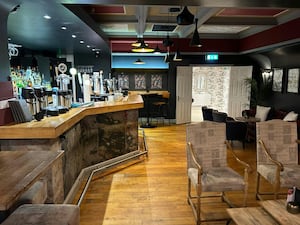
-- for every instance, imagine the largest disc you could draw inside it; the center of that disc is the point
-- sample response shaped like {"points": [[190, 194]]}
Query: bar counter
{"points": [[52, 127], [88, 136]]}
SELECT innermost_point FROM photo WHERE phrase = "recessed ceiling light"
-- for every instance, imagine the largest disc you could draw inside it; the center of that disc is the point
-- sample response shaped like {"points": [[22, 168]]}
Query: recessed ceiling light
{"points": [[95, 49], [63, 27], [47, 17], [9, 39], [74, 36], [88, 46], [81, 42]]}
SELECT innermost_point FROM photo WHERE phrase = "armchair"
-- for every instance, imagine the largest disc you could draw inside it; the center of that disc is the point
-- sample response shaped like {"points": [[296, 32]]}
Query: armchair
{"points": [[277, 156], [219, 116], [207, 167], [207, 113]]}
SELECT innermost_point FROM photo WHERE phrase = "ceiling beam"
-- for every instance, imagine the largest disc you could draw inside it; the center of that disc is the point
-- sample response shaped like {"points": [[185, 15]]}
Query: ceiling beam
{"points": [[106, 19], [141, 15]]}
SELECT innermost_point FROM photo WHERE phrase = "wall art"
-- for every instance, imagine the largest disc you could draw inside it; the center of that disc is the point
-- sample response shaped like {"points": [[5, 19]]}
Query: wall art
{"points": [[123, 81], [140, 81], [293, 80], [277, 79], [156, 81]]}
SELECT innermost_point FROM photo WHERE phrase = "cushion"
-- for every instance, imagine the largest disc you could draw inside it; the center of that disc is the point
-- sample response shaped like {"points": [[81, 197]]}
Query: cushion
{"points": [[262, 112], [291, 116], [218, 179], [289, 177]]}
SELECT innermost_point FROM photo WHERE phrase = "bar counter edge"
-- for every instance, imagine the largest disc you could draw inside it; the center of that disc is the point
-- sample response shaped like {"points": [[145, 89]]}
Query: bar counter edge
{"points": [[87, 136]]}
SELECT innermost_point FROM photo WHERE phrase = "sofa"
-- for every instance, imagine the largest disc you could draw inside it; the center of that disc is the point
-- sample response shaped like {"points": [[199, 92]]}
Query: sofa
{"points": [[270, 113], [235, 130]]}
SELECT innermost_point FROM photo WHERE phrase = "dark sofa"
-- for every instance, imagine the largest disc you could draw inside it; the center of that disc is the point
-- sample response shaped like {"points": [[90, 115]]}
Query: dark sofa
{"points": [[273, 114]]}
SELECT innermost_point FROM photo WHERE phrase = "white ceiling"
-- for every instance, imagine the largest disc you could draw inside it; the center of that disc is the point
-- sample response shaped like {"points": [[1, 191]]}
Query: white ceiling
{"points": [[28, 27]]}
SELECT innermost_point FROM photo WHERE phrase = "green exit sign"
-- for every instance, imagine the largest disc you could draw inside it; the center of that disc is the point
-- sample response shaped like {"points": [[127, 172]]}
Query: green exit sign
{"points": [[211, 57]]}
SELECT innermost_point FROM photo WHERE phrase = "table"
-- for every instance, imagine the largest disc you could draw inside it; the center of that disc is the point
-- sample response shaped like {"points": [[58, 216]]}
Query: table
{"points": [[277, 208], [271, 212], [251, 216], [19, 170]]}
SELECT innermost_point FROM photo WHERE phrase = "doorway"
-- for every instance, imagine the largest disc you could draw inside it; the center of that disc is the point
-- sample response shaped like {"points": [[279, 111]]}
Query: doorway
{"points": [[222, 88]]}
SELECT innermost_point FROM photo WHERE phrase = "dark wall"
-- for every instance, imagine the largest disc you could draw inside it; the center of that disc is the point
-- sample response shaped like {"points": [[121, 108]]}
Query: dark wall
{"points": [[4, 59], [285, 58], [99, 62]]}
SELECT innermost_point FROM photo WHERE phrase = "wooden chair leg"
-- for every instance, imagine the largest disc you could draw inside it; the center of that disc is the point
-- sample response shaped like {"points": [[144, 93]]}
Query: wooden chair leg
{"points": [[276, 189], [257, 191], [198, 205]]}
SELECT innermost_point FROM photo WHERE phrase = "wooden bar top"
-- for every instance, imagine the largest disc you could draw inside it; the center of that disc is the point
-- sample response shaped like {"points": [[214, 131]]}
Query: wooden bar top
{"points": [[53, 127], [19, 170]]}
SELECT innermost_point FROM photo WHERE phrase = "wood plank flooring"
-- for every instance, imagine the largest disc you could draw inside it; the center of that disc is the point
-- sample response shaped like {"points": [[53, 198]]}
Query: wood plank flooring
{"points": [[152, 191]]}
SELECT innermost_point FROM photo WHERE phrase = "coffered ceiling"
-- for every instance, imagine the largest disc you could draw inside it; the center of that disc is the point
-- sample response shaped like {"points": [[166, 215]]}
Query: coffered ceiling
{"points": [[100, 22]]}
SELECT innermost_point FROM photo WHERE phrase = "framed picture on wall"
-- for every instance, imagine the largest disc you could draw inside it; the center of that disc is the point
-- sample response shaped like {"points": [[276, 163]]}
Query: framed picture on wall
{"points": [[140, 81], [277, 79], [123, 81], [293, 80], [156, 81]]}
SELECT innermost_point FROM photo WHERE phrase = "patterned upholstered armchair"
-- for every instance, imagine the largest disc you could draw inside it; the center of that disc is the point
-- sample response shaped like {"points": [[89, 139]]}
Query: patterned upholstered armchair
{"points": [[277, 155], [207, 167]]}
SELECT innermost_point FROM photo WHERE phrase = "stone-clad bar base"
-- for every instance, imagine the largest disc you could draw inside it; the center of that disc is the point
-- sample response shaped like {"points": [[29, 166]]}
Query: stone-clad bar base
{"points": [[94, 139]]}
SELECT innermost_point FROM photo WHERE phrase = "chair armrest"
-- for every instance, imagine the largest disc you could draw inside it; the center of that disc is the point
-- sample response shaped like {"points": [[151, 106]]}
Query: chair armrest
{"points": [[192, 152], [246, 165], [268, 155]]}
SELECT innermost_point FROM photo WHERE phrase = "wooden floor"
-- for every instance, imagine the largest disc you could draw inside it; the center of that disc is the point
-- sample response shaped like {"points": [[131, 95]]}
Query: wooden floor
{"points": [[153, 191]]}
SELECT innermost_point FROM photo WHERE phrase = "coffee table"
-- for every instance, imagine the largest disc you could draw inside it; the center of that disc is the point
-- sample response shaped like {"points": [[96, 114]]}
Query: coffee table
{"points": [[277, 208], [271, 212]]}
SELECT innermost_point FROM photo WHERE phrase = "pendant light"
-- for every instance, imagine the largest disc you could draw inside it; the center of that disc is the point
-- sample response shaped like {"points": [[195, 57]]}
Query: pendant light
{"points": [[157, 50], [167, 42], [195, 42], [137, 43], [177, 56], [142, 48], [185, 17], [167, 58], [139, 62]]}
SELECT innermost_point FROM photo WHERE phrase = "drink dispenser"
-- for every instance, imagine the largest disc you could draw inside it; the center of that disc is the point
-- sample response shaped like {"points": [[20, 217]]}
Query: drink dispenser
{"points": [[40, 95], [29, 96], [65, 94]]}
